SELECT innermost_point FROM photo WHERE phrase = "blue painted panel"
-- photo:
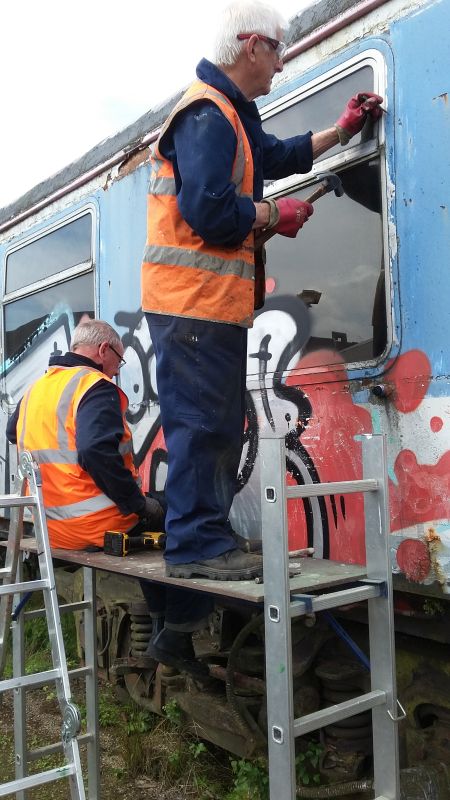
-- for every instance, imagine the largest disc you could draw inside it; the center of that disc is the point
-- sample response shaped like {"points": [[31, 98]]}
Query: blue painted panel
{"points": [[422, 163], [123, 231]]}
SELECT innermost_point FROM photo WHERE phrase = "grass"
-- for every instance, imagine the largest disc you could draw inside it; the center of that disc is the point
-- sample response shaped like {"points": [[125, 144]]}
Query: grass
{"points": [[139, 744]]}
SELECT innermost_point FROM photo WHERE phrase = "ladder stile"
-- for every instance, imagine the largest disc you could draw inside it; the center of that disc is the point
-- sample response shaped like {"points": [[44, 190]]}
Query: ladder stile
{"points": [[11, 564], [11, 590], [280, 609], [381, 621], [280, 703]]}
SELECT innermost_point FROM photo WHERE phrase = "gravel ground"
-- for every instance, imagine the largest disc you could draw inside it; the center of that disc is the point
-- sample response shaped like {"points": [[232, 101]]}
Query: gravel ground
{"points": [[129, 762]]}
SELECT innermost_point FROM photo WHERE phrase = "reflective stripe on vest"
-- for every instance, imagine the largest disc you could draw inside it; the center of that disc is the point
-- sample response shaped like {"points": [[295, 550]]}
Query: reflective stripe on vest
{"points": [[63, 455], [81, 509], [181, 273]]}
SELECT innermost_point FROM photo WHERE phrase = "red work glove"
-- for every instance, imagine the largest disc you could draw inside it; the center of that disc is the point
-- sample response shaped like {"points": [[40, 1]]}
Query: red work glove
{"points": [[292, 214], [355, 114]]}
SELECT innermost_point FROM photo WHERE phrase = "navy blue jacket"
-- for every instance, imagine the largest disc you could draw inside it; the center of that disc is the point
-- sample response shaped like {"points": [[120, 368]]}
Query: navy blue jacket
{"points": [[201, 144], [99, 430]]}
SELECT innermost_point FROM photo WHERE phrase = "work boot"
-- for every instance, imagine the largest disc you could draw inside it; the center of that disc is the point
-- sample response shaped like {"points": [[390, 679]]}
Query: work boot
{"points": [[234, 565], [247, 545], [175, 649]]}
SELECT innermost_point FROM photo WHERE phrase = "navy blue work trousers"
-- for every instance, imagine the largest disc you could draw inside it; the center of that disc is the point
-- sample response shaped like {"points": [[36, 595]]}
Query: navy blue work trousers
{"points": [[201, 377]]}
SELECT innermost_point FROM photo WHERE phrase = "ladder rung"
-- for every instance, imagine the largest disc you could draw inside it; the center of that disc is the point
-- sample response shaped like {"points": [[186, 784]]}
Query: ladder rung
{"points": [[26, 586], [57, 747], [28, 681], [326, 716], [16, 500], [321, 602], [37, 780], [5, 573], [81, 605], [339, 487]]}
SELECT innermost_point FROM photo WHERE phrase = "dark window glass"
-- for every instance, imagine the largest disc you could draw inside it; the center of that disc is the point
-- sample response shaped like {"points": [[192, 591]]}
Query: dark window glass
{"points": [[63, 248], [26, 319], [322, 109], [335, 265]]}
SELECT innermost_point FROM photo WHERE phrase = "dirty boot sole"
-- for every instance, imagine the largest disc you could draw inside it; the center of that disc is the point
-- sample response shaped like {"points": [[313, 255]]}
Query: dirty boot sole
{"points": [[214, 573]]}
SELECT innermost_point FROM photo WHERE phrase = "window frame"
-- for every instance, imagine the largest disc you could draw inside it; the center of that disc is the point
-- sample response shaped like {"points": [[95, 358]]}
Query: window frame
{"points": [[56, 278], [351, 156]]}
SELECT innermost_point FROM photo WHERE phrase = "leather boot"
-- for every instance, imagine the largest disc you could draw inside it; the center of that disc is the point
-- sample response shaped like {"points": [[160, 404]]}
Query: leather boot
{"points": [[175, 649], [234, 565]]}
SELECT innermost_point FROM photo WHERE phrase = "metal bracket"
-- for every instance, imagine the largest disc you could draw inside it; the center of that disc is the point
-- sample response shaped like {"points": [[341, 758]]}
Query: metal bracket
{"points": [[402, 715], [71, 724], [382, 585], [307, 599]]}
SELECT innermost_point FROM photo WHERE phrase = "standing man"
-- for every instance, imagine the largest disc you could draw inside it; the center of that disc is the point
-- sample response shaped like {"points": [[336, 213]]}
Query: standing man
{"points": [[205, 206]]}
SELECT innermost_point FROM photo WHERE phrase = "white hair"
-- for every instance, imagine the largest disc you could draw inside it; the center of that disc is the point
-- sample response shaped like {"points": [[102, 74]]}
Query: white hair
{"points": [[93, 333], [244, 16]]}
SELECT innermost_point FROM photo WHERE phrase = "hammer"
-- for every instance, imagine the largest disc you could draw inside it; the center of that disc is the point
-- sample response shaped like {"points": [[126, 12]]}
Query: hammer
{"points": [[329, 182]]}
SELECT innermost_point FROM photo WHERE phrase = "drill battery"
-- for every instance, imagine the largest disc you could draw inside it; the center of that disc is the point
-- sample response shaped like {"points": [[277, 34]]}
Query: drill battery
{"points": [[118, 543]]}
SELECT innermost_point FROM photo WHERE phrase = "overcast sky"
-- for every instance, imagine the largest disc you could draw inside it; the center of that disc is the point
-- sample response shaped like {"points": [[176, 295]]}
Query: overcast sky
{"points": [[75, 73]]}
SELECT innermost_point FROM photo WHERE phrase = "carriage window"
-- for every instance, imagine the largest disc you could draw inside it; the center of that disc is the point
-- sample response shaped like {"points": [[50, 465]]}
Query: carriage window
{"points": [[58, 250], [28, 319], [49, 288], [335, 266], [319, 111]]}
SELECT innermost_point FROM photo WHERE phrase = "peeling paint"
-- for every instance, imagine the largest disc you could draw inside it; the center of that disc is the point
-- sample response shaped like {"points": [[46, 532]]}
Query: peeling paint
{"points": [[136, 160], [434, 543]]}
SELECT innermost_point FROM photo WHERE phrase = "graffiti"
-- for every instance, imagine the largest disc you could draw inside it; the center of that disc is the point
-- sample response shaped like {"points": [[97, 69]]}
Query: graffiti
{"points": [[278, 337], [320, 419]]}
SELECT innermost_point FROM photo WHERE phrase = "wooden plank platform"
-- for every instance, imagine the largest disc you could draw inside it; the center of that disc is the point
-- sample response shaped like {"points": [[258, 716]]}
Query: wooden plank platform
{"points": [[316, 574]]}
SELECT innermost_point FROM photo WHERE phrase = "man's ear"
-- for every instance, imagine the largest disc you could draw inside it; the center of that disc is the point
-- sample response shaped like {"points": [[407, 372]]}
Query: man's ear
{"points": [[250, 47], [102, 349]]}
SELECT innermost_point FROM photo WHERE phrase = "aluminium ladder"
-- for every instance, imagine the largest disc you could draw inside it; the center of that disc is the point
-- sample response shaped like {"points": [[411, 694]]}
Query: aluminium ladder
{"points": [[280, 607], [12, 589]]}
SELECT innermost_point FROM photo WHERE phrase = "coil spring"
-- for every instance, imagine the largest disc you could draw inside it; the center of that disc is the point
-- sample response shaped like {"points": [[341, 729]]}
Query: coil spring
{"points": [[140, 632]]}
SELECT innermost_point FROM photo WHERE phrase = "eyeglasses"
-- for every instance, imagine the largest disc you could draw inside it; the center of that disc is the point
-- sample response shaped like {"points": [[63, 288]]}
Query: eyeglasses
{"points": [[121, 360], [279, 47]]}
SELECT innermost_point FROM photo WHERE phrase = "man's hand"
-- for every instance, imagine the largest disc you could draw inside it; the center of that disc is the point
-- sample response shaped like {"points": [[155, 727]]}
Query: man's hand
{"points": [[357, 110], [153, 515], [292, 216]]}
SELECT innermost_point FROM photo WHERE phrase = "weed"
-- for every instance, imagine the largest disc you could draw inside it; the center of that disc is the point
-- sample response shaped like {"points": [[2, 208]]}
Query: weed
{"points": [[196, 749], [49, 694], [173, 713], [5, 741], [139, 720], [306, 764], [251, 781], [433, 607], [108, 714]]}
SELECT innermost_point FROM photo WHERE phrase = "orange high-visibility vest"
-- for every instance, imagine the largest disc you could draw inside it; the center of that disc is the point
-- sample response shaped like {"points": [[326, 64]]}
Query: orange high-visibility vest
{"points": [[78, 513], [181, 273]]}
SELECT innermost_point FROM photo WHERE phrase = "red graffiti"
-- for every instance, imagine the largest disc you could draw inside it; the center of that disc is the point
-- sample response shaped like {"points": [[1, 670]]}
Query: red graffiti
{"points": [[421, 492], [410, 374], [413, 559], [436, 424], [330, 441]]}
